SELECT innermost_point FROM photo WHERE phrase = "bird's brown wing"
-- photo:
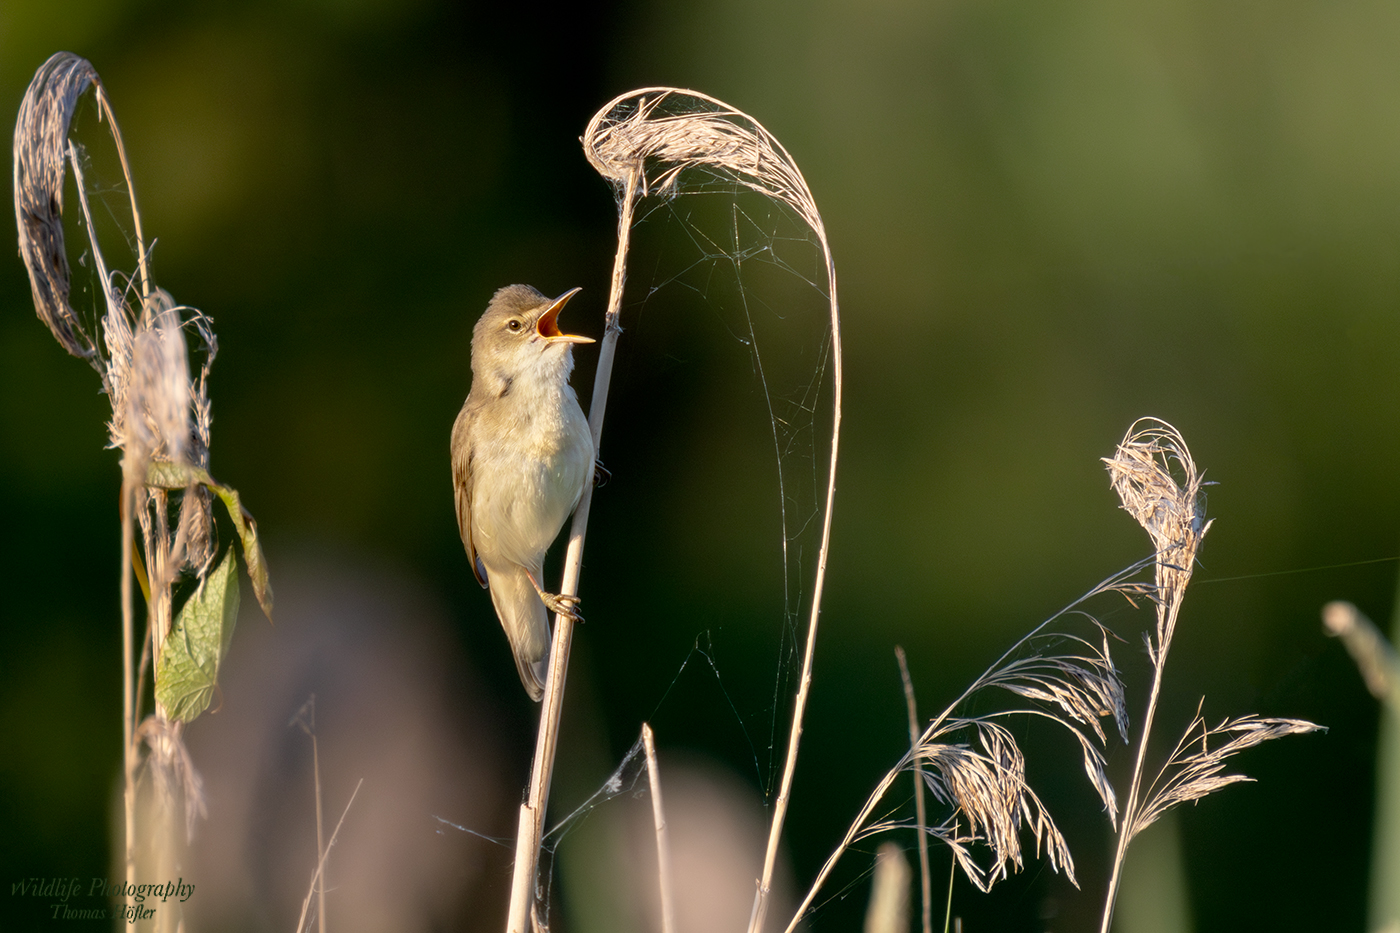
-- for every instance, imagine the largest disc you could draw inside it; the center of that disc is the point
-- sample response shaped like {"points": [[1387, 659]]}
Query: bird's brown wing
{"points": [[462, 486]]}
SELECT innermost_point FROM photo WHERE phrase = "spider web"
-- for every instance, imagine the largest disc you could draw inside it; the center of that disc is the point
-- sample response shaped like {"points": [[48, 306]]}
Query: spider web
{"points": [[742, 280], [110, 201], [727, 297]]}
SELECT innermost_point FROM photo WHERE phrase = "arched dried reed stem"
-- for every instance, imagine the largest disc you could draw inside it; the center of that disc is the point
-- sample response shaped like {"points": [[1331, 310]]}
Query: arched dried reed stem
{"points": [[40, 150], [645, 142], [658, 135], [160, 415], [41, 156]]}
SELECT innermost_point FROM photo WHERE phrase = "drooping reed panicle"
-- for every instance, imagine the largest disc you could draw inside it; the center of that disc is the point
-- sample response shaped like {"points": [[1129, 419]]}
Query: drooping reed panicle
{"points": [[160, 421], [1160, 486]]}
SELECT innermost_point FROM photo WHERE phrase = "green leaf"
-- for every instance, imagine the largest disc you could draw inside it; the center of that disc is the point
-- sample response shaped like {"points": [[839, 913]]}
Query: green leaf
{"points": [[252, 550], [164, 475], [189, 659]]}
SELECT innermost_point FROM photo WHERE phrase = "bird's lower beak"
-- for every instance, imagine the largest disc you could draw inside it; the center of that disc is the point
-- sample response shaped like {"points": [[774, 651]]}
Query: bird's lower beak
{"points": [[548, 324]]}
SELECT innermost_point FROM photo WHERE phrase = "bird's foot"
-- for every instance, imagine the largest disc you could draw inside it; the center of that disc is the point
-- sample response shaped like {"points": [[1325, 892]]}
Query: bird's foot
{"points": [[566, 606], [601, 474]]}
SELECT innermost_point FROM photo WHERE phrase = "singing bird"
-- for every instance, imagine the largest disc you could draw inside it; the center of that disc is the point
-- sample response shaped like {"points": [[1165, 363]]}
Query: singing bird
{"points": [[522, 453]]}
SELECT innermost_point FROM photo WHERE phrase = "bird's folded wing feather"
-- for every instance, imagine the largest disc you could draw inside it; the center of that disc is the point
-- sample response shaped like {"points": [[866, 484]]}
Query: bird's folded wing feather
{"points": [[462, 486]]}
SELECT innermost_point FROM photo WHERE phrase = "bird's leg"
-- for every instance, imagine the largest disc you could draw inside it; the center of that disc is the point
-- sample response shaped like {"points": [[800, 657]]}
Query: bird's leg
{"points": [[566, 606]]}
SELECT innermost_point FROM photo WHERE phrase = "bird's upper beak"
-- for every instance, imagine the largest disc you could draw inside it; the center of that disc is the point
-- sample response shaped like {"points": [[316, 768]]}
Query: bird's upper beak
{"points": [[548, 324]]}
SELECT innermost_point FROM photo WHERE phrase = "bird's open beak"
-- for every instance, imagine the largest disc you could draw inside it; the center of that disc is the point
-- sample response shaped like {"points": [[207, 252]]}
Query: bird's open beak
{"points": [[548, 324]]}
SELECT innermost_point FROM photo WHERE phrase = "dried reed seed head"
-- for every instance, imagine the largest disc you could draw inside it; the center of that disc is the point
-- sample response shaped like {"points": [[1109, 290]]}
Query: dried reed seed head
{"points": [[1141, 472], [1076, 689], [989, 790], [175, 777], [1195, 769], [197, 529], [40, 144], [682, 129], [984, 794], [1084, 688], [158, 386]]}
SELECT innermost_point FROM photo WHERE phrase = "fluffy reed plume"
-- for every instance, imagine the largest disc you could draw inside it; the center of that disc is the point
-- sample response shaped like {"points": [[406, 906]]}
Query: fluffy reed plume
{"points": [[1194, 769], [981, 780], [1072, 681], [160, 421], [1160, 486], [1171, 511], [39, 156], [659, 141], [674, 131]]}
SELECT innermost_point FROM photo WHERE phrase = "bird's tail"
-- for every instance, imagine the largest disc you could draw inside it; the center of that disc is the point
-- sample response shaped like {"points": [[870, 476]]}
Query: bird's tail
{"points": [[526, 622]]}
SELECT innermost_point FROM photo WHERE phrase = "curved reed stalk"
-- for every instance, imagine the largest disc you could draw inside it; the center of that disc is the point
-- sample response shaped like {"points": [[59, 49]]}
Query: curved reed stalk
{"points": [[644, 143], [160, 421], [42, 154], [530, 828]]}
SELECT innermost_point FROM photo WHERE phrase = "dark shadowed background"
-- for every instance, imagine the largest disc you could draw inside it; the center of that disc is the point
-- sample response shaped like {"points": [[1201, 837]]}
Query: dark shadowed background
{"points": [[1048, 218]]}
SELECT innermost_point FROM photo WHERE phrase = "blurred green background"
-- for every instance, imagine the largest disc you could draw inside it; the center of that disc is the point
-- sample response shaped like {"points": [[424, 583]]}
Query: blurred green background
{"points": [[1049, 218]]}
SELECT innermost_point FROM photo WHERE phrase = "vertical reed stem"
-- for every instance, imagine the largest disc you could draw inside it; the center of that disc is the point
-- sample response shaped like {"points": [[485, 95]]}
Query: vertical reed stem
{"points": [[532, 812], [920, 815], [129, 711], [663, 841], [1130, 807]]}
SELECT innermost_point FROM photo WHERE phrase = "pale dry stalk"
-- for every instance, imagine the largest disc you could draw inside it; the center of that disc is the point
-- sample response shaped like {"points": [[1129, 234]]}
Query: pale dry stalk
{"points": [[140, 353], [306, 719], [530, 829], [42, 154], [663, 840], [1374, 656], [920, 816], [623, 138], [316, 881]]}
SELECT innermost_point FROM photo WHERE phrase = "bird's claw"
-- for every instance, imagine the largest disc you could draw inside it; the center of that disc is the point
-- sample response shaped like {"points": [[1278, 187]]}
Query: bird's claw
{"points": [[566, 606]]}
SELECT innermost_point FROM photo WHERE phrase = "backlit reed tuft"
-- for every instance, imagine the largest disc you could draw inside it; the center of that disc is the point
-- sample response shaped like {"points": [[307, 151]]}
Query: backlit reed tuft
{"points": [[138, 342], [1160, 486], [973, 766]]}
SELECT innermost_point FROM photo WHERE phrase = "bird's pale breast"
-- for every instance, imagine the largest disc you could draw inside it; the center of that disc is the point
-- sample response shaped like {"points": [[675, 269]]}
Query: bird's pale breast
{"points": [[524, 489]]}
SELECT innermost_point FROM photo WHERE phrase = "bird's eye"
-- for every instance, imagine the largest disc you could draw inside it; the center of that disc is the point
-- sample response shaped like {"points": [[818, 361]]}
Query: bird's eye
{"points": [[514, 324]]}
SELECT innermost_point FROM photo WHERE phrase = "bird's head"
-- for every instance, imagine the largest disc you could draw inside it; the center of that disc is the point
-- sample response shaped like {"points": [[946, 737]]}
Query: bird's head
{"points": [[519, 335]]}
